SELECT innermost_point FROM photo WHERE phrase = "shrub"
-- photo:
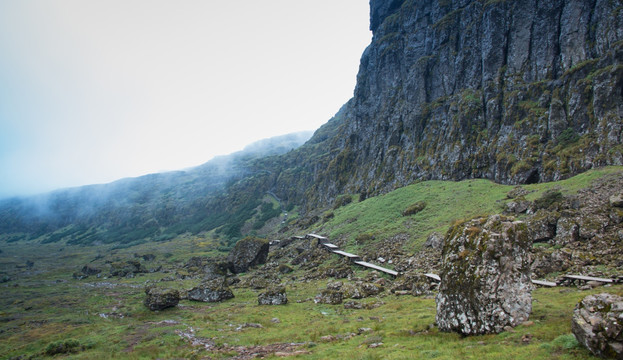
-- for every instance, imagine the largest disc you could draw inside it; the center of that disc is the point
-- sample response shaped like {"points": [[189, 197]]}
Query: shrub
{"points": [[548, 198], [363, 238], [63, 347], [567, 137], [414, 208], [342, 201]]}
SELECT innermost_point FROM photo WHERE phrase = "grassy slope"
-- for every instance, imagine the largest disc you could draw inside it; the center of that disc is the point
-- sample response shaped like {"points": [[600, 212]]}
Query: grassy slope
{"points": [[447, 202], [44, 304]]}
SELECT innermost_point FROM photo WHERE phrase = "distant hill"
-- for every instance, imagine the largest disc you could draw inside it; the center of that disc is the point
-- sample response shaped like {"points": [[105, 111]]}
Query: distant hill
{"points": [[156, 206]]}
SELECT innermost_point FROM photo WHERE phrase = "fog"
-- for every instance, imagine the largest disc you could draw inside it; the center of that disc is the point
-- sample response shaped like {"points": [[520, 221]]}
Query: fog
{"points": [[94, 91]]}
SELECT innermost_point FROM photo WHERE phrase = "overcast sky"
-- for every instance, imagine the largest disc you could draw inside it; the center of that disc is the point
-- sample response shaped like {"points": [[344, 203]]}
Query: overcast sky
{"points": [[95, 90]]}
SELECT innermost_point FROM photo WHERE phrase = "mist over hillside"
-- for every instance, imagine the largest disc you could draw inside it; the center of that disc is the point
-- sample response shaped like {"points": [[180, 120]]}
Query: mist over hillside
{"points": [[136, 208]]}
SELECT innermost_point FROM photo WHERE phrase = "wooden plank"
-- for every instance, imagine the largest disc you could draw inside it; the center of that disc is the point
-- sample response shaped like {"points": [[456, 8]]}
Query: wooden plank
{"points": [[298, 237], [322, 238], [433, 276], [587, 278], [376, 267], [544, 283], [348, 255], [331, 246]]}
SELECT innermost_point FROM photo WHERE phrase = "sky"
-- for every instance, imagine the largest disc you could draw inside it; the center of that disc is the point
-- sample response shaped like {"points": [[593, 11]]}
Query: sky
{"points": [[92, 91]]}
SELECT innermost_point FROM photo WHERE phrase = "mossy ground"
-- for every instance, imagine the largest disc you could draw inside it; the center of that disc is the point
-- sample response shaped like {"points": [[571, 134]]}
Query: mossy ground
{"points": [[42, 304]]}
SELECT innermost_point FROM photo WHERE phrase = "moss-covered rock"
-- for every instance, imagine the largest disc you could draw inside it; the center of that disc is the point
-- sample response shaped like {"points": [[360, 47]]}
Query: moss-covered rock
{"points": [[598, 325], [485, 276], [248, 252], [159, 299]]}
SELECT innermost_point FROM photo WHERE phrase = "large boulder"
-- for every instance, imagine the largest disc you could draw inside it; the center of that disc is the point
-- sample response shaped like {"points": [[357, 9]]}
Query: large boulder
{"points": [[159, 299], [211, 291], [248, 252], [485, 276], [273, 296], [598, 325]]}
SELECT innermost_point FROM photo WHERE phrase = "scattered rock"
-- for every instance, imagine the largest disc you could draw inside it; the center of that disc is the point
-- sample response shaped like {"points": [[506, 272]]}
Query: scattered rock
{"points": [[159, 299], [249, 325], [273, 296], [284, 269], [275, 321], [598, 325], [526, 339], [328, 296], [434, 241], [211, 291], [353, 305], [89, 270], [127, 268], [486, 276], [248, 252], [616, 200]]}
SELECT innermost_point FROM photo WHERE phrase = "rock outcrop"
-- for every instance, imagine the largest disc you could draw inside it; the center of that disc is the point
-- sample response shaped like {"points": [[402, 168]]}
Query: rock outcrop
{"points": [[159, 299], [514, 91], [273, 296], [485, 277], [248, 252], [598, 325], [211, 291]]}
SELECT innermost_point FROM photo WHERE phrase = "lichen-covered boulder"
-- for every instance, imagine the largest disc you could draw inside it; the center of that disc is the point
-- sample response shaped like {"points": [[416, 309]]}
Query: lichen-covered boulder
{"points": [[248, 252], [598, 325], [211, 291], [159, 299], [273, 296], [329, 296], [485, 276]]}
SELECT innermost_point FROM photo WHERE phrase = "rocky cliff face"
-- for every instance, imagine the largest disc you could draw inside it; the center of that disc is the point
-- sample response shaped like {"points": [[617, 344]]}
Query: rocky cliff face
{"points": [[516, 91]]}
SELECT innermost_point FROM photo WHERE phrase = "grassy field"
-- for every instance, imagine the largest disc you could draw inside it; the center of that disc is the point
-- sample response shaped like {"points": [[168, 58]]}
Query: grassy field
{"points": [[43, 308]]}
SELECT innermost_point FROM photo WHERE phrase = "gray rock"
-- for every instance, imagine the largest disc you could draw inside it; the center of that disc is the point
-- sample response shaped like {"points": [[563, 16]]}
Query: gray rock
{"points": [[434, 241], [90, 270], [598, 325], [273, 296], [248, 252], [485, 277], [328, 296], [212, 291], [616, 200], [159, 299]]}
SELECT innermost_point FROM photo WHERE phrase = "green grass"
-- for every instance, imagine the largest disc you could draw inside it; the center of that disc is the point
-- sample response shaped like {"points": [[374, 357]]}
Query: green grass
{"points": [[44, 305], [447, 202]]}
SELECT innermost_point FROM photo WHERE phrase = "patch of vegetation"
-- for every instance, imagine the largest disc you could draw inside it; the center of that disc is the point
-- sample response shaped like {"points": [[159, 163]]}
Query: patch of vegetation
{"points": [[567, 137], [342, 200], [63, 347], [548, 199], [414, 208]]}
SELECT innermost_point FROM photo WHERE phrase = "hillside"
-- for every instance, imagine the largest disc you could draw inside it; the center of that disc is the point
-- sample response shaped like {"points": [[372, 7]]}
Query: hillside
{"points": [[153, 207], [517, 92]]}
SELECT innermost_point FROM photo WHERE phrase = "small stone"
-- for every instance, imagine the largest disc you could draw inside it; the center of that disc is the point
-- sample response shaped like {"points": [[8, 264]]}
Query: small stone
{"points": [[526, 339], [275, 321], [616, 200], [528, 323], [375, 345], [328, 338]]}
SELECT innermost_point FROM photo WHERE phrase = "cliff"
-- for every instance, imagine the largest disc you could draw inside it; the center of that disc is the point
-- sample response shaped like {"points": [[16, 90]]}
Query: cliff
{"points": [[517, 91]]}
